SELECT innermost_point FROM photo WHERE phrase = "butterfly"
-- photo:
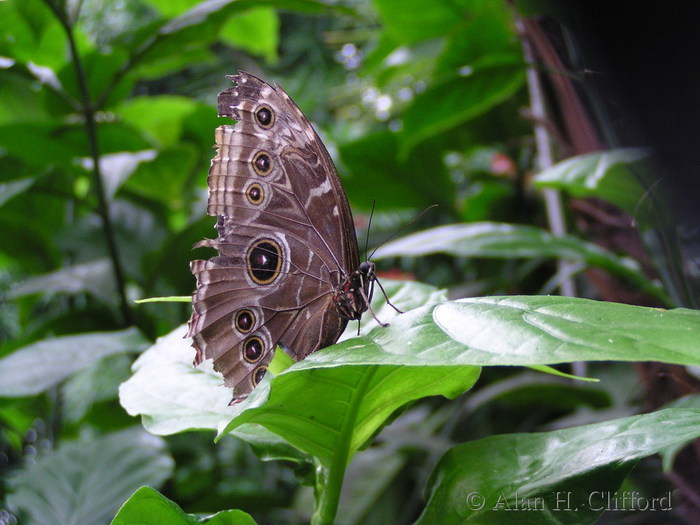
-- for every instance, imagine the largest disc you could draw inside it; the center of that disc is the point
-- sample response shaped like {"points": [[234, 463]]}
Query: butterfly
{"points": [[288, 270]]}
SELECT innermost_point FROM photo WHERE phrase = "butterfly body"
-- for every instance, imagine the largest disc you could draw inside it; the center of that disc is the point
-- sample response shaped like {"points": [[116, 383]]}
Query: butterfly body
{"points": [[287, 270]]}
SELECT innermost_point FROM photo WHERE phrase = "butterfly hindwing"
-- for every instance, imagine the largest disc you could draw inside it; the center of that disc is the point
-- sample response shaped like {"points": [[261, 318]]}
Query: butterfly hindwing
{"points": [[286, 239]]}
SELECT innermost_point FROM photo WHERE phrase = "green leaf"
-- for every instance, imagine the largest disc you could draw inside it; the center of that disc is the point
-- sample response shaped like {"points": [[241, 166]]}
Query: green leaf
{"points": [[357, 401], [487, 31], [94, 277], [113, 137], [15, 187], [255, 31], [564, 476], [161, 118], [614, 175], [84, 481], [94, 384], [162, 177], [147, 506], [48, 145], [526, 390], [55, 143], [170, 394], [101, 69], [437, 18], [432, 349], [223, 8], [523, 331], [170, 8], [488, 239], [182, 40], [448, 104], [372, 475], [169, 264], [492, 239], [670, 453], [34, 368], [16, 419], [397, 183], [39, 256], [269, 446], [116, 168], [31, 33], [19, 99]]}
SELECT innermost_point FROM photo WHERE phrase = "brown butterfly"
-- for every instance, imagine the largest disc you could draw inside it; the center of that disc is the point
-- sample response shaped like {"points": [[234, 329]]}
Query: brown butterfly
{"points": [[288, 270]]}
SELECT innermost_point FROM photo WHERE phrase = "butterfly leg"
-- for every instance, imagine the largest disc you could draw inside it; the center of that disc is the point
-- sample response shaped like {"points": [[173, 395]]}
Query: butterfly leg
{"points": [[369, 306], [386, 296]]}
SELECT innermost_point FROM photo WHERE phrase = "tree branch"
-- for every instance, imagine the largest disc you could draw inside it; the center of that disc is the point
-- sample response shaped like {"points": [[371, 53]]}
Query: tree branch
{"points": [[88, 111]]}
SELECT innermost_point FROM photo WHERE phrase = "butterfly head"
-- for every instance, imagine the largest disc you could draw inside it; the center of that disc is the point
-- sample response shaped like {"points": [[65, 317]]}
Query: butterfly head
{"points": [[366, 270]]}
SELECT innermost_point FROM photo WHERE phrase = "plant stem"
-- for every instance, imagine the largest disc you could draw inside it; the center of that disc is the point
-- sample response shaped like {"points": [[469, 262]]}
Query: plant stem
{"points": [[329, 479], [552, 198], [88, 111]]}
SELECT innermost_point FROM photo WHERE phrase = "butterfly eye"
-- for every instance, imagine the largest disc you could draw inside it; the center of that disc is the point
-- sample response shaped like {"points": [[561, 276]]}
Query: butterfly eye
{"points": [[253, 349], [265, 116], [255, 194], [245, 320], [262, 164], [264, 260], [366, 268], [259, 374]]}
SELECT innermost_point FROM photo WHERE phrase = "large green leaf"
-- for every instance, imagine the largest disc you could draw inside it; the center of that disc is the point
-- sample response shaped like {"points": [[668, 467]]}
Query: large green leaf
{"points": [[97, 383], [85, 481], [256, 31], [31, 34], [373, 163], [19, 100], [616, 176], [162, 177], [522, 330], [161, 118], [670, 453], [488, 239], [181, 39], [487, 30], [34, 368], [105, 85], [436, 18], [54, 142], [13, 188], [49, 143], [357, 401], [204, 11], [93, 277], [450, 103], [172, 396], [147, 506], [171, 8], [42, 254], [432, 349], [564, 476]]}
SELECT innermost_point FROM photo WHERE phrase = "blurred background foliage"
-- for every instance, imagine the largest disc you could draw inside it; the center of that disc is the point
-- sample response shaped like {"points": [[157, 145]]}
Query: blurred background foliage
{"points": [[107, 112]]}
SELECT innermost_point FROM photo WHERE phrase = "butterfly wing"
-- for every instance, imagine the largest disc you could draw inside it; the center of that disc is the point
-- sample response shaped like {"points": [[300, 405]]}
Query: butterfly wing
{"points": [[285, 240]]}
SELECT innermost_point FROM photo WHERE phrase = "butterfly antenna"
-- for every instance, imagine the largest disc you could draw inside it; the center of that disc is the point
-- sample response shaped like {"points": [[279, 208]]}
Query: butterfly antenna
{"points": [[369, 228], [400, 229]]}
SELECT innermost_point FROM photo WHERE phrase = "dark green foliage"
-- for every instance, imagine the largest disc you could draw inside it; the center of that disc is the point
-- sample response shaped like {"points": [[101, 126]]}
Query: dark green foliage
{"points": [[107, 112]]}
